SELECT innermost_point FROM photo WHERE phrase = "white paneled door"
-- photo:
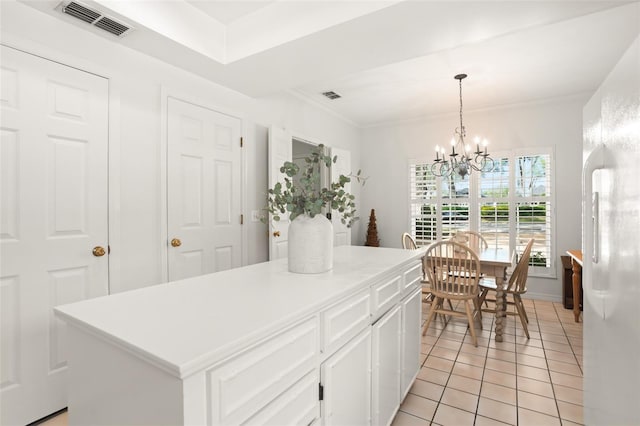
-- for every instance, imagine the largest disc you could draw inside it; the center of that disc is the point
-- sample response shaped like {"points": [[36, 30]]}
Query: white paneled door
{"points": [[341, 233], [280, 150], [54, 229], [203, 190]]}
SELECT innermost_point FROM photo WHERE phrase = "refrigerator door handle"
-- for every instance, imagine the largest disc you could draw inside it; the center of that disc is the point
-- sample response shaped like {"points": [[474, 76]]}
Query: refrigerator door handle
{"points": [[591, 231], [595, 223]]}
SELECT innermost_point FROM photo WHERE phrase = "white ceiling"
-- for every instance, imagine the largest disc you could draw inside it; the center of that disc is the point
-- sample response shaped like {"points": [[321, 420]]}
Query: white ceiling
{"points": [[226, 12], [390, 60]]}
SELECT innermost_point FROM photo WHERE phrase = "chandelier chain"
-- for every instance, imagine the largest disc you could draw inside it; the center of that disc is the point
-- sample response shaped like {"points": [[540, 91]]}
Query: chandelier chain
{"points": [[464, 161], [461, 125]]}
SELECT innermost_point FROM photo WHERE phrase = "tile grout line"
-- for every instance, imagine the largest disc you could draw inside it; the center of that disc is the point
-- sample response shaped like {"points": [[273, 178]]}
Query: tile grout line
{"points": [[553, 389], [570, 344], [484, 368], [454, 335]]}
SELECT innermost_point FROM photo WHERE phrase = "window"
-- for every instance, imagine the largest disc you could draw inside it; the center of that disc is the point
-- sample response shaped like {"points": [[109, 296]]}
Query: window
{"points": [[507, 205]]}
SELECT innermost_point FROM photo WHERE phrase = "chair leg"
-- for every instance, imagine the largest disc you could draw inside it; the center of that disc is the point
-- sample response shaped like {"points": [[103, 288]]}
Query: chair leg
{"points": [[432, 311], [478, 307], [483, 296], [472, 327], [450, 305], [523, 309], [522, 313]]}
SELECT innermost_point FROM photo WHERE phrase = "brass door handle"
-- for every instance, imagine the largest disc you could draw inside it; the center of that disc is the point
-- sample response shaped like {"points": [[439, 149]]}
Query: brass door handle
{"points": [[98, 251], [176, 242], [276, 233]]}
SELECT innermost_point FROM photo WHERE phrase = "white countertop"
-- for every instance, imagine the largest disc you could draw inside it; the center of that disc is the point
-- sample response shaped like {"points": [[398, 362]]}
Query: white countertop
{"points": [[185, 325]]}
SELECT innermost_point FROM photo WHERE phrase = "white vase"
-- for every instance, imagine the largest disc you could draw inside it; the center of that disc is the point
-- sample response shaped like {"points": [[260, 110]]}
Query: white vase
{"points": [[310, 249]]}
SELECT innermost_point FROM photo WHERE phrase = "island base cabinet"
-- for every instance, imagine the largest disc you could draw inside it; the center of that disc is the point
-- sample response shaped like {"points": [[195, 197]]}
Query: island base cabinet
{"points": [[240, 387], [110, 386], [386, 367], [411, 338], [348, 358], [346, 383], [299, 405]]}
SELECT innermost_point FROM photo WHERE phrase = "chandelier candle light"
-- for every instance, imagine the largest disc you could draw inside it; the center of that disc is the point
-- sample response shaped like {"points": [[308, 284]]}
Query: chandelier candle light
{"points": [[462, 162]]}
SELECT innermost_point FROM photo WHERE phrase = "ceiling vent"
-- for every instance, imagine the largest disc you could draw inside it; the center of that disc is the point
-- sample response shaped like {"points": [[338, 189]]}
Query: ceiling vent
{"points": [[331, 95], [95, 18]]}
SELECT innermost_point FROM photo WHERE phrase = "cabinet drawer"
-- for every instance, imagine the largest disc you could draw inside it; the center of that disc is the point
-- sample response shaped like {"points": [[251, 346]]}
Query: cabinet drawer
{"points": [[412, 278], [343, 321], [384, 295], [241, 387], [299, 405]]}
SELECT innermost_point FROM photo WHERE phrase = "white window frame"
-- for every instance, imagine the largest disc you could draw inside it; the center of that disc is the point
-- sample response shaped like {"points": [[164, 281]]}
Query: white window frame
{"points": [[474, 201]]}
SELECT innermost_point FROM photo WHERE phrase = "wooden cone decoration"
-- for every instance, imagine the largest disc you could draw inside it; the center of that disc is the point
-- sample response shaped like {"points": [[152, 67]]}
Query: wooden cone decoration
{"points": [[372, 231]]}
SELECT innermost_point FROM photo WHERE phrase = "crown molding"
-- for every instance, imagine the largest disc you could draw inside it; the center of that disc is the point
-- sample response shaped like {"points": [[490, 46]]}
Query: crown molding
{"points": [[574, 97]]}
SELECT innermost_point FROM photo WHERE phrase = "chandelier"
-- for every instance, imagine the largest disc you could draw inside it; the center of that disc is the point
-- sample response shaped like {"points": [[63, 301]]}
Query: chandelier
{"points": [[461, 159]]}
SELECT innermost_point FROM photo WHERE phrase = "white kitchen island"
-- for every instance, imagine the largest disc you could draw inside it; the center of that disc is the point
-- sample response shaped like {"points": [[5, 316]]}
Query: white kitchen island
{"points": [[253, 345]]}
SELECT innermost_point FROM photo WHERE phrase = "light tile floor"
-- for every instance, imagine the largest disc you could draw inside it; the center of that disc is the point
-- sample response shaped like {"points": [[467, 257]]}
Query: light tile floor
{"points": [[520, 381], [532, 382]]}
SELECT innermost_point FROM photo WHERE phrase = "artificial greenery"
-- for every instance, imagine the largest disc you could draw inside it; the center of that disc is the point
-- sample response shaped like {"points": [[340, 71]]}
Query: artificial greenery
{"points": [[301, 196]]}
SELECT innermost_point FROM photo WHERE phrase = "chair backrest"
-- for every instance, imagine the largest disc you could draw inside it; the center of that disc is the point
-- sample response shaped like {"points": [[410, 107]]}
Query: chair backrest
{"points": [[472, 239], [518, 279], [408, 243], [452, 269]]}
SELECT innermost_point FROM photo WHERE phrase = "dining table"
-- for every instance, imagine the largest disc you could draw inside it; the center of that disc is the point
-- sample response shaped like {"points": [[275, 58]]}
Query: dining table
{"points": [[494, 263]]}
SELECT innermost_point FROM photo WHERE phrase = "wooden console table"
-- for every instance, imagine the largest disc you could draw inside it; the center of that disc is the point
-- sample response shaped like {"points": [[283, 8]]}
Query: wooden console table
{"points": [[576, 267]]}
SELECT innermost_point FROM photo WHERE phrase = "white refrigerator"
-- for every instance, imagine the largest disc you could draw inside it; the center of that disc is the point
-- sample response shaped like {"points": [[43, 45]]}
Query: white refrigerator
{"points": [[611, 246]]}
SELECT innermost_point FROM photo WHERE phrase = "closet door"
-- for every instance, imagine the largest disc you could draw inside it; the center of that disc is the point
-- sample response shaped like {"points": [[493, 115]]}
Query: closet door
{"points": [[341, 233], [53, 228], [280, 151], [204, 190]]}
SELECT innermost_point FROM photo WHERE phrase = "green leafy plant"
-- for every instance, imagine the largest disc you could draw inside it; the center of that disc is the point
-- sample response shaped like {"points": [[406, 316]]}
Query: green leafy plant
{"points": [[301, 196], [538, 259]]}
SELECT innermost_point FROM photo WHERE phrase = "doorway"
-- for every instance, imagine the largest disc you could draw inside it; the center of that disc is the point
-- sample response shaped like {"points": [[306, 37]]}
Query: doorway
{"points": [[54, 227], [204, 188]]}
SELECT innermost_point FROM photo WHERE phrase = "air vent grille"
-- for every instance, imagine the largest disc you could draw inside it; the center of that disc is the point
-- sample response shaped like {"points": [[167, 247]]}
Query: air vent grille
{"points": [[331, 95], [93, 17], [112, 26], [78, 11]]}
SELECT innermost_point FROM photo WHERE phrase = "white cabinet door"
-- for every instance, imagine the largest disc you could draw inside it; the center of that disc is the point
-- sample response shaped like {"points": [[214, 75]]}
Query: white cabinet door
{"points": [[346, 378], [386, 366], [411, 334], [53, 213], [204, 190], [298, 405], [280, 150]]}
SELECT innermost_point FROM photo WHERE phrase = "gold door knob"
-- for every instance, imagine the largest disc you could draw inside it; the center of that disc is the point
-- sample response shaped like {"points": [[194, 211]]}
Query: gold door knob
{"points": [[176, 242], [98, 251], [276, 233]]}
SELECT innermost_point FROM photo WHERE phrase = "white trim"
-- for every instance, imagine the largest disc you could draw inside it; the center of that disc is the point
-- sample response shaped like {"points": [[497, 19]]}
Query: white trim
{"points": [[163, 185], [166, 92], [114, 186], [513, 199], [439, 116]]}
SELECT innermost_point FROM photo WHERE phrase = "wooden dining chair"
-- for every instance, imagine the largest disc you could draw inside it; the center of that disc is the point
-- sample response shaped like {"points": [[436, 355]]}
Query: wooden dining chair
{"points": [[408, 243], [516, 286], [473, 239], [452, 270]]}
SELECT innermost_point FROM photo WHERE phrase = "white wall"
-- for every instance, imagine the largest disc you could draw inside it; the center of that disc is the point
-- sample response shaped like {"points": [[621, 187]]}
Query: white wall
{"points": [[136, 84], [556, 124]]}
